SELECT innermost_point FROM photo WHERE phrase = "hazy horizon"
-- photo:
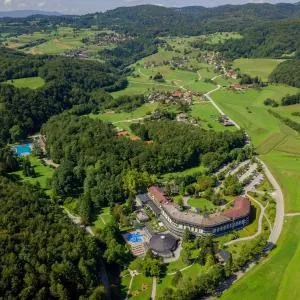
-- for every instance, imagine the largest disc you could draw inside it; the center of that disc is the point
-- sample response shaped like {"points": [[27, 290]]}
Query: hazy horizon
{"points": [[87, 6]]}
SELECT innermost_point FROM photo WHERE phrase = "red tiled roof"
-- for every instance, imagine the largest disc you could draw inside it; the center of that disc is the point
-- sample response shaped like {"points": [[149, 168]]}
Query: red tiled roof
{"points": [[177, 94], [240, 209], [158, 194]]}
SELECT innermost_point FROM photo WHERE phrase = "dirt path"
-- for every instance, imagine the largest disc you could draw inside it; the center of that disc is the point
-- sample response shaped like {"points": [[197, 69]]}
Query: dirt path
{"points": [[129, 121]]}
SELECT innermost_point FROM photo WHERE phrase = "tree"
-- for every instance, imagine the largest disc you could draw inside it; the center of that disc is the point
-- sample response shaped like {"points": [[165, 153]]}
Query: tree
{"points": [[16, 133], [176, 278]]}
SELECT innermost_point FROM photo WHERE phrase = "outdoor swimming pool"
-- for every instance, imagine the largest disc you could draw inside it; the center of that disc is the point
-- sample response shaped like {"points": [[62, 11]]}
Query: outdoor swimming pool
{"points": [[135, 237], [23, 150]]}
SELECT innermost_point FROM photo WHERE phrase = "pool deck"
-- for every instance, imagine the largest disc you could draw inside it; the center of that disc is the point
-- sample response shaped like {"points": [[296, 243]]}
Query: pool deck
{"points": [[137, 248]]}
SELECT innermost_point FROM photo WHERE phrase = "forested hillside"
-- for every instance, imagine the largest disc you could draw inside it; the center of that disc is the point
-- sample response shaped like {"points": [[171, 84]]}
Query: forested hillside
{"points": [[69, 82], [269, 39], [43, 255], [96, 162], [287, 72]]}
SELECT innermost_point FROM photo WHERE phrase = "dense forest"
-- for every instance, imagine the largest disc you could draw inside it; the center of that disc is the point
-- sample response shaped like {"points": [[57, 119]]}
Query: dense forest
{"points": [[97, 165], [275, 39], [287, 72], [43, 255], [68, 82], [161, 20]]}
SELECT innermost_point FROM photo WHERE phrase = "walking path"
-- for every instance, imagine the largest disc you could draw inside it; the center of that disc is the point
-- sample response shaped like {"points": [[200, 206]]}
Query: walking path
{"points": [[181, 270], [292, 214], [278, 196], [129, 121], [154, 284], [259, 229]]}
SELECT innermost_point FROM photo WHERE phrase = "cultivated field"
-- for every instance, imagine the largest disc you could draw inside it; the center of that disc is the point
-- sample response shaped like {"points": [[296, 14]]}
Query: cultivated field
{"points": [[260, 67]]}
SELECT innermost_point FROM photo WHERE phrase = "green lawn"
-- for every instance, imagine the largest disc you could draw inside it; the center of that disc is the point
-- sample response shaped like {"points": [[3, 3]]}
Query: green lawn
{"points": [[103, 218], [137, 286], [261, 67], [30, 82], [44, 173], [201, 203], [191, 272]]}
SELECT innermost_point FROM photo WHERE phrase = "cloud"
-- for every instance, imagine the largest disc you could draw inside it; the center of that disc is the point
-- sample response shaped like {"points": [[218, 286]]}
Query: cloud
{"points": [[7, 2]]}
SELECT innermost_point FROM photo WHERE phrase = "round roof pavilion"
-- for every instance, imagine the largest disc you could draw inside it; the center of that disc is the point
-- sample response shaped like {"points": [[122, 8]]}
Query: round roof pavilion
{"points": [[163, 243]]}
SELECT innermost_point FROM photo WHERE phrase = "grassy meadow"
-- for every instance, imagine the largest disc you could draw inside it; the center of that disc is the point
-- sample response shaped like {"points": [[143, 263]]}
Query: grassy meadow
{"points": [[261, 67], [44, 174], [30, 82]]}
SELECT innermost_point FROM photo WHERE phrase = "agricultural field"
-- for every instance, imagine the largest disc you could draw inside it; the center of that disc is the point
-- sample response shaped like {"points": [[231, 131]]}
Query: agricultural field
{"points": [[30, 82], [55, 42], [208, 116], [277, 276], [287, 111], [124, 119], [261, 67], [279, 148]]}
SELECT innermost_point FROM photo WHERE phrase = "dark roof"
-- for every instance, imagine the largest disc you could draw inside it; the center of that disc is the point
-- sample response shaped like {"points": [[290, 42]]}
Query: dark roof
{"points": [[225, 255], [163, 243], [240, 209]]}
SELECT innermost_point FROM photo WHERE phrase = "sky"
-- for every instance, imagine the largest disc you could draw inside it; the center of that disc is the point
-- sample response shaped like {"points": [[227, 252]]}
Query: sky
{"points": [[85, 6]]}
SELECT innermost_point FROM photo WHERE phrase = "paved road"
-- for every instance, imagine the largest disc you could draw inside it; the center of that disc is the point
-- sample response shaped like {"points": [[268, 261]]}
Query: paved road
{"points": [[278, 196], [207, 95]]}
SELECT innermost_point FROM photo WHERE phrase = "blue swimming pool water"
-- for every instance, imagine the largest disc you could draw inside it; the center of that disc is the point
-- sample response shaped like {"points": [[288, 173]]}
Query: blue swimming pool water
{"points": [[23, 150], [136, 237]]}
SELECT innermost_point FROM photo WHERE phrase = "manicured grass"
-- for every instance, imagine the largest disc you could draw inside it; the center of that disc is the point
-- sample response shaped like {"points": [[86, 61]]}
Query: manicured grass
{"points": [[201, 203], [260, 67], [137, 284], [30, 82], [191, 272], [276, 277], [103, 218], [44, 174]]}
